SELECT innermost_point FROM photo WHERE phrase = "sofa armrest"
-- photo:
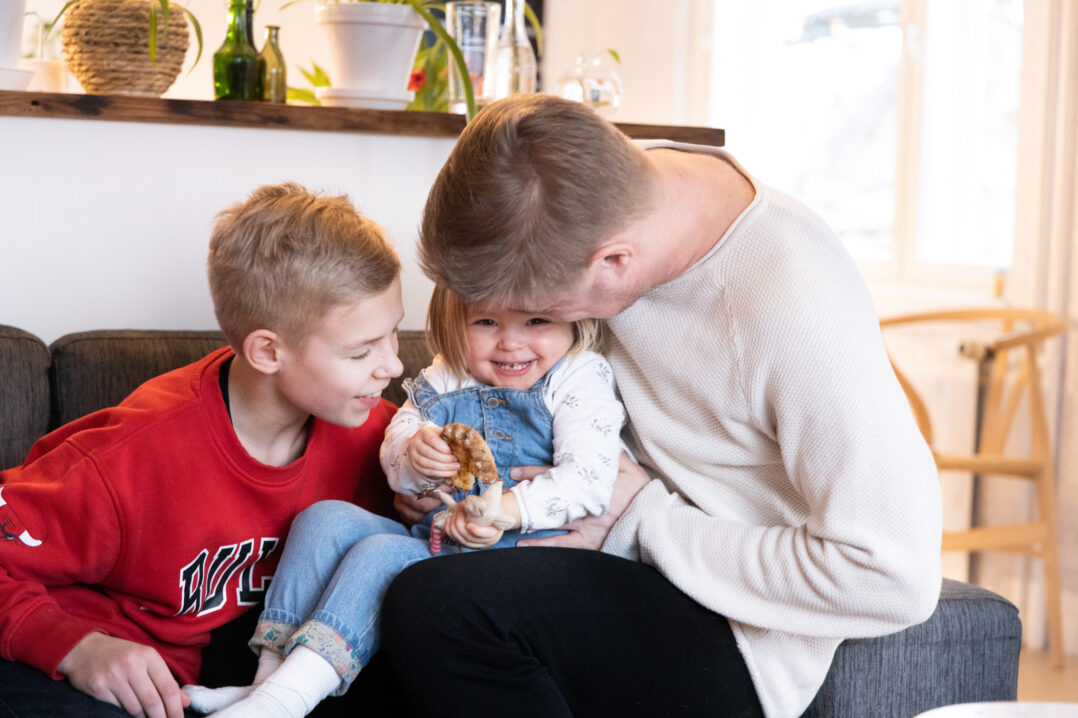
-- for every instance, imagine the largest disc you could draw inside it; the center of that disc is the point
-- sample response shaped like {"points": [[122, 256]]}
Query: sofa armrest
{"points": [[24, 393], [966, 652]]}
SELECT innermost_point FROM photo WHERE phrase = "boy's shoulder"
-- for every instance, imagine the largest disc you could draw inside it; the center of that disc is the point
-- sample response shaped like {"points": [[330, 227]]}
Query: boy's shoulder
{"points": [[149, 411]]}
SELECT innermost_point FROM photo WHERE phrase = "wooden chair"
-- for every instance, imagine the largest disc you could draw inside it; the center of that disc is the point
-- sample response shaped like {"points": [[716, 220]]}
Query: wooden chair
{"points": [[1014, 370]]}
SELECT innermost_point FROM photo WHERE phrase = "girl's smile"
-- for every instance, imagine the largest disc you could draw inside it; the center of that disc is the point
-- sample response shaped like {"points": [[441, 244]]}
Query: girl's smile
{"points": [[511, 349]]}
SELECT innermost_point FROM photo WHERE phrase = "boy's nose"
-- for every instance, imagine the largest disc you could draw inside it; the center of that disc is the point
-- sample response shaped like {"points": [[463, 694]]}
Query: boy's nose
{"points": [[391, 366]]}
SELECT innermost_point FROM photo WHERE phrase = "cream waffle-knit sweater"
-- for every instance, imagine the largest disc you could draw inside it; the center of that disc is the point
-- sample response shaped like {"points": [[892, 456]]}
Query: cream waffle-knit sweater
{"points": [[794, 494]]}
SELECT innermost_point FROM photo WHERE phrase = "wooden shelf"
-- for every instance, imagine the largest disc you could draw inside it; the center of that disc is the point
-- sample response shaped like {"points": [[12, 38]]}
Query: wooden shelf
{"points": [[123, 108]]}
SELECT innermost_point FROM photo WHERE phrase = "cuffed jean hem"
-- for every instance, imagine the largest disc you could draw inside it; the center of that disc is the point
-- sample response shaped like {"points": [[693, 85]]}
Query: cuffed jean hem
{"points": [[324, 640], [274, 635]]}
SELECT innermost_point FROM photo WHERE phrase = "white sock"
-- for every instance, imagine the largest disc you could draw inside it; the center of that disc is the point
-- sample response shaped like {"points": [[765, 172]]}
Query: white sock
{"points": [[209, 700], [268, 662], [303, 680]]}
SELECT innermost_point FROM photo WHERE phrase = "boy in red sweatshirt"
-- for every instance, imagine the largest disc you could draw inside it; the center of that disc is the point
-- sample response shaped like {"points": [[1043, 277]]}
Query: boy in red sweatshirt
{"points": [[142, 527]]}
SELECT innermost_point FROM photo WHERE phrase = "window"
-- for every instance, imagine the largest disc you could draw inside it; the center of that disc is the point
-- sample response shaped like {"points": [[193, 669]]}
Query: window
{"points": [[896, 120]]}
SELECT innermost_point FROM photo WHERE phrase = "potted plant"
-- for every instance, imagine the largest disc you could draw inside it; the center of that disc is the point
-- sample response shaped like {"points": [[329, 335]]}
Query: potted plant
{"points": [[430, 75], [372, 48], [132, 47]]}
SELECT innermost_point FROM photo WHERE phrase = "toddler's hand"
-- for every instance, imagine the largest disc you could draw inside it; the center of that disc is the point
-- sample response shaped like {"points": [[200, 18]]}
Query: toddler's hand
{"points": [[430, 455], [459, 527]]}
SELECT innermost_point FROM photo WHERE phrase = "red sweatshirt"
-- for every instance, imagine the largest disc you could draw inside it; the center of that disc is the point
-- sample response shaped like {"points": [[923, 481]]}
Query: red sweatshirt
{"points": [[150, 522]]}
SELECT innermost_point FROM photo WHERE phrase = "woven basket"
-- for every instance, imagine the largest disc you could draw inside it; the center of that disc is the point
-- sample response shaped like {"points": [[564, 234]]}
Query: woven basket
{"points": [[106, 44]]}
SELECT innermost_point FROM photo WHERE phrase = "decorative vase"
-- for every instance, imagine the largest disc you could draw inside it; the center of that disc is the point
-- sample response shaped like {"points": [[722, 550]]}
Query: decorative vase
{"points": [[372, 47], [106, 44], [11, 18]]}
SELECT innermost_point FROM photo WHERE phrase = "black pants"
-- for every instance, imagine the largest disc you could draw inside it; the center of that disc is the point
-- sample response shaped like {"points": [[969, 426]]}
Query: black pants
{"points": [[549, 632]]}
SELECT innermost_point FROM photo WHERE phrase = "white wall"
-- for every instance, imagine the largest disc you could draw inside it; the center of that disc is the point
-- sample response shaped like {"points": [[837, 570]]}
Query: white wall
{"points": [[105, 224]]}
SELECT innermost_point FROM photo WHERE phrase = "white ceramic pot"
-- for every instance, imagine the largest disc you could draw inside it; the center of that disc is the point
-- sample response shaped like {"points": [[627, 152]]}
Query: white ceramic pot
{"points": [[372, 46], [11, 17]]}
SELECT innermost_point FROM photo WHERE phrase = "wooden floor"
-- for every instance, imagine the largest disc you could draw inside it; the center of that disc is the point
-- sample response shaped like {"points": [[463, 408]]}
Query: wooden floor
{"points": [[1038, 681]]}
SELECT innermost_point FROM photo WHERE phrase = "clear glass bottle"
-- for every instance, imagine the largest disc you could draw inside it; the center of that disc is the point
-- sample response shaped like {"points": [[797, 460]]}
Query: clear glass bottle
{"points": [[235, 64], [274, 85], [515, 67]]}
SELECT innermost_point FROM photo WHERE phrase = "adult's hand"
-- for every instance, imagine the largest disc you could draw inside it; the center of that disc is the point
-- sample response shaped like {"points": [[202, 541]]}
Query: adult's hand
{"points": [[591, 531], [126, 674], [413, 508]]}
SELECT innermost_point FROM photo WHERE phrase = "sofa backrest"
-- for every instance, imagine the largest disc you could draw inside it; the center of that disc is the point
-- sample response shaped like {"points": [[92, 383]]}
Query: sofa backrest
{"points": [[43, 387], [95, 369], [24, 393]]}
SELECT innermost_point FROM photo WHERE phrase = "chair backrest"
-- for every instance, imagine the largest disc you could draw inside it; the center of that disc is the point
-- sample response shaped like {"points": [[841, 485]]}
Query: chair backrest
{"points": [[1019, 331]]}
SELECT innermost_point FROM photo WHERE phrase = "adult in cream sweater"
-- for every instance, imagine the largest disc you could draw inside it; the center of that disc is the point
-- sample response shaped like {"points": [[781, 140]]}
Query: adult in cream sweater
{"points": [[782, 486]]}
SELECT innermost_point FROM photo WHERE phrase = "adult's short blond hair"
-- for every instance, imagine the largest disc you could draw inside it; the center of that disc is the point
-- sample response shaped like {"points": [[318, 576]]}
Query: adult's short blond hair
{"points": [[284, 257], [447, 330], [532, 189]]}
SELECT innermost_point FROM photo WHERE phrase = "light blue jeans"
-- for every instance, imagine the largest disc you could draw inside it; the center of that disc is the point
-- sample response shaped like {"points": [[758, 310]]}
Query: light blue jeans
{"points": [[327, 592]]}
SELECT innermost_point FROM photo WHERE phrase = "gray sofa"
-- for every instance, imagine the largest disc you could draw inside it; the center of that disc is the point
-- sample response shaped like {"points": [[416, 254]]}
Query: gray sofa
{"points": [[967, 651]]}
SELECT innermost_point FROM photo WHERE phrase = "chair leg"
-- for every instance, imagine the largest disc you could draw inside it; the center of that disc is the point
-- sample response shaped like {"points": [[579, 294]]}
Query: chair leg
{"points": [[1053, 606], [1053, 587]]}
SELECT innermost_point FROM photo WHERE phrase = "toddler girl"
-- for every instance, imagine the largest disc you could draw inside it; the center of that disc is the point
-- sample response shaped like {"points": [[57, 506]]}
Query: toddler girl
{"points": [[537, 393]]}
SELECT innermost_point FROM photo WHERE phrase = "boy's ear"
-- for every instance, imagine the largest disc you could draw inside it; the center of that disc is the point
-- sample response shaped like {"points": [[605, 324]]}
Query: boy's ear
{"points": [[261, 349]]}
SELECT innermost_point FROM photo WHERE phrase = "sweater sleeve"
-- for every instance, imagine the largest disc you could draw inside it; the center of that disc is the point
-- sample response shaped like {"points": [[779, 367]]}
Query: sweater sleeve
{"points": [[860, 554], [63, 530], [587, 429], [402, 476]]}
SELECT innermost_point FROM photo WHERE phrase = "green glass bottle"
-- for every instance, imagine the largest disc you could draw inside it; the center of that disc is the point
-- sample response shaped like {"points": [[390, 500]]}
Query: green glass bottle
{"points": [[249, 18], [274, 85], [235, 64]]}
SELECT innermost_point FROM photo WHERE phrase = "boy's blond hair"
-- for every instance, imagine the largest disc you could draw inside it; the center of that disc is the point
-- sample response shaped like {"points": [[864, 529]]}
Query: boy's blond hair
{"points": [[447, 331], [532, 189], [284, 257]]}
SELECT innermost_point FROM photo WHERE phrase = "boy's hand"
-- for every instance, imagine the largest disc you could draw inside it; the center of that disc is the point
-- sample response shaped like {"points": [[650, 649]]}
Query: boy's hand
{"points": [[459, 527], [430, 455], [126, 674]]}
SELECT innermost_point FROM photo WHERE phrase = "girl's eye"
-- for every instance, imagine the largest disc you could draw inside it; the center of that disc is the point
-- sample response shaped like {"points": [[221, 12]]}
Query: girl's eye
{"points": [[537, 320], [362, 355], [484, 322]]}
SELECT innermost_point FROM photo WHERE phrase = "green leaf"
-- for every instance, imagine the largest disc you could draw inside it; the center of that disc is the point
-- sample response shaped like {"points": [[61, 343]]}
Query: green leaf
{"points": [[321, 77], [299, 94], [536, 25], [56, 19], [164, 14], [198, 35], [614, 54], [454, 50], [153, 35]]}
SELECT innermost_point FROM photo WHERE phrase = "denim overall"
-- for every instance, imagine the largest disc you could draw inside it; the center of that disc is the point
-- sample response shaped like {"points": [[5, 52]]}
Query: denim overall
{"points": [[516, 424], [339, 559]]}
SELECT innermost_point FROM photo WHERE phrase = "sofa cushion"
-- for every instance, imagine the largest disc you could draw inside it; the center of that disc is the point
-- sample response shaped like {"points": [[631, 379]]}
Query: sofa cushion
{"points": [[95, 369], [24, 393], [966, 652]]}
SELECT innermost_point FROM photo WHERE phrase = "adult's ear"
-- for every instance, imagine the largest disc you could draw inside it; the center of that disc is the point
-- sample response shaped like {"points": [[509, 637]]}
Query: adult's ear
{"points": [[261, 350], [612, 261]]}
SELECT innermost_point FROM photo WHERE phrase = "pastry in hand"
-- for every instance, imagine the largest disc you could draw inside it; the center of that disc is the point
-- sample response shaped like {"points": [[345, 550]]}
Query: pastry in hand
{"points": [[471, 450]]}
